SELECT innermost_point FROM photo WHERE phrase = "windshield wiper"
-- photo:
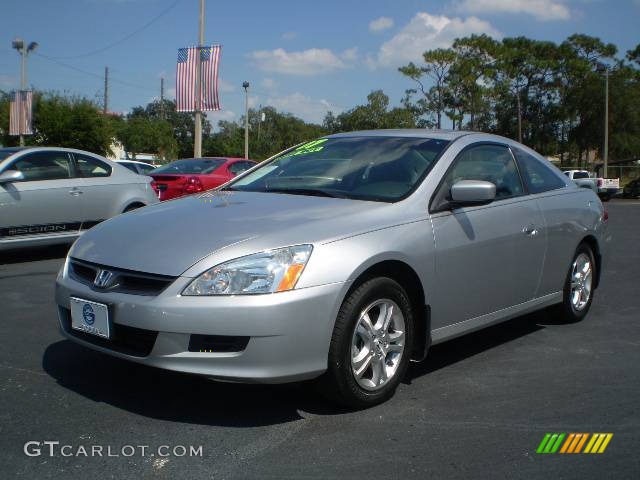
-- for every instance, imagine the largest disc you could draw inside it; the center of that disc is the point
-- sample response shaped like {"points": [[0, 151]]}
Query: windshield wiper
{"points": [[305, 191]]}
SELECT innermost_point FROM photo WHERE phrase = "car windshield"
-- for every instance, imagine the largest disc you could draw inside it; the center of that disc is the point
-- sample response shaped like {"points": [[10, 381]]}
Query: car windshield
{"points": [[191, 165], [365, 168]]}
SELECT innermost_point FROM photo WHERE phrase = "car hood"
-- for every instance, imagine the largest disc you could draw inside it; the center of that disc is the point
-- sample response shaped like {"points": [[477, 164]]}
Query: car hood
{"points": [[170, 237]]}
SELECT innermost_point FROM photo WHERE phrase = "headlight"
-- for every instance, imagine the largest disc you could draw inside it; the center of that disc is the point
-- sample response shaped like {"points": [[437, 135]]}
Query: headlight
{"points": [[265, 272]]}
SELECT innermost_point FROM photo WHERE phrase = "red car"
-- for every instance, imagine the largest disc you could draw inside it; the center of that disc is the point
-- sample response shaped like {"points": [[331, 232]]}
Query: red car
{"points": [[192, 175]]}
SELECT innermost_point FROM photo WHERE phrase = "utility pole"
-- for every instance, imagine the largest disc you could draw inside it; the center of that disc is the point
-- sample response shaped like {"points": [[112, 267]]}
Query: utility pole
{"points": [[245, 85], [606, 122], [197, 143], [106, 90], [161, 98], [604, 68], [23, 49]]}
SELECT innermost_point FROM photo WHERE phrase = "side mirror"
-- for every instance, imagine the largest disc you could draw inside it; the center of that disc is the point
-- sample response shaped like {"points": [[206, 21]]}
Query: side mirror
{"points": [[472, 192], [9, 176]]}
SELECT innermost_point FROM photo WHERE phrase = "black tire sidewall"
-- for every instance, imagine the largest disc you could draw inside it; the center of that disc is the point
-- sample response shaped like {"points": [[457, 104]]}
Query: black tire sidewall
{"points": [[339, 371]]}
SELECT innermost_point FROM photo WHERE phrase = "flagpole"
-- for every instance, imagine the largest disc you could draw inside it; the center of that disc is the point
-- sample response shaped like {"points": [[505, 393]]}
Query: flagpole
{"points": [[197, 143], [23, 86], [24, 50]]}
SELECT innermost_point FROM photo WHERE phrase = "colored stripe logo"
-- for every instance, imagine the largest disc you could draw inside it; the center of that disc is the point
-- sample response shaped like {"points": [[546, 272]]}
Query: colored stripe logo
{"points": [[574, 442]]}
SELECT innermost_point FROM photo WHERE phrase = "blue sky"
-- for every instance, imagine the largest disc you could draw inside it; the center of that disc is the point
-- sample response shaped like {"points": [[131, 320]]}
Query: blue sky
{"points": [[303, 56]]}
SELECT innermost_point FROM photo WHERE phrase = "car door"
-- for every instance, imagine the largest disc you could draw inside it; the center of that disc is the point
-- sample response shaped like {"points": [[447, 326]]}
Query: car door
{"points": [[100, 192], [47, 201], [488, 257], [561, 206]]}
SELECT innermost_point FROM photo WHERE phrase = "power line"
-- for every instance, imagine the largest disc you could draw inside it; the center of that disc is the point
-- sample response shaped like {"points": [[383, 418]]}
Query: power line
{"points": [[123, 39], [92, 74]]}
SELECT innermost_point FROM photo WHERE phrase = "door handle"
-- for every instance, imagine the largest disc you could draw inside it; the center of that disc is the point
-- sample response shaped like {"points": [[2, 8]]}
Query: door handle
{"points": [[530, 230]]}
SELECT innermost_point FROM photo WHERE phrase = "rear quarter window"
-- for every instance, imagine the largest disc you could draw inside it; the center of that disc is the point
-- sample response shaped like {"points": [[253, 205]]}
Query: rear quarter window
{"points": [[537, 174]]}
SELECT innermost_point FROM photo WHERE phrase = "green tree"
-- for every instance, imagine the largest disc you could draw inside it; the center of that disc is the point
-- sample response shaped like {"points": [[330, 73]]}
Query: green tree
{"points": [[437, 64], [63, 121], [270, 132], [182, 124], [375, 114], [140, 134], [472, 74]]}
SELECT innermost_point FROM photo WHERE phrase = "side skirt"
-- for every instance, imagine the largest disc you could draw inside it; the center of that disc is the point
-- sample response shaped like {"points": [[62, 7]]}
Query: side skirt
{"points": [[449, 332]]}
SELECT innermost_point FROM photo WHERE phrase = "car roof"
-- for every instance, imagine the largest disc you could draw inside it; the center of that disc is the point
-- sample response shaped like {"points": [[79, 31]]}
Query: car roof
{"points": [[407, 132], [56, 149], [12, 149], [133, 161], [213, 158]]}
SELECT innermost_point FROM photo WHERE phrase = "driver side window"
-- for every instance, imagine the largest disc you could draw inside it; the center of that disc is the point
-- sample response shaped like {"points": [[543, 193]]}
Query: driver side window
{"points": [[43, 165], [490, 163]]}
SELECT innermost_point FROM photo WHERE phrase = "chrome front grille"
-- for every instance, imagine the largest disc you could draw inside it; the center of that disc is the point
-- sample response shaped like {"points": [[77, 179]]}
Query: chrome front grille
{"points": [[121, 280]]}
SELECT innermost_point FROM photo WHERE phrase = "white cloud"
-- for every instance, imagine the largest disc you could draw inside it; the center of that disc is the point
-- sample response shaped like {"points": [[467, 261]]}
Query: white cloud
{"points": [[540, 9], [302, 106], [289, 35], [8, 81], [253, 100], [268, 83], [426, 32], [215, 117], [306, 62], [380, 24], [225, 87], [350, 54]]}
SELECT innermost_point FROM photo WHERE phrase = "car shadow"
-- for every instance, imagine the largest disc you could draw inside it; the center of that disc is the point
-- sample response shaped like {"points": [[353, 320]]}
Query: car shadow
{"points": [[466, 346], [33, 254], [179, 397]]}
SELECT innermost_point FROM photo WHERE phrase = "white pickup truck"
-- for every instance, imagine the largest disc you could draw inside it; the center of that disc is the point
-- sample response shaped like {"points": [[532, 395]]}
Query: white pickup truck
{"points": [[604, 187]]}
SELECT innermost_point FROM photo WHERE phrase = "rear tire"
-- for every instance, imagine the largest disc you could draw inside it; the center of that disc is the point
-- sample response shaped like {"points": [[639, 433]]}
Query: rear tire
{"points": [[579, 285], [370, 346]]}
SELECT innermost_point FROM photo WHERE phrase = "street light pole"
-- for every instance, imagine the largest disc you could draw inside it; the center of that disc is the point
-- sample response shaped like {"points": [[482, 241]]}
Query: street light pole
{"points": [[23, 49], [197, 143], [245, 85]]}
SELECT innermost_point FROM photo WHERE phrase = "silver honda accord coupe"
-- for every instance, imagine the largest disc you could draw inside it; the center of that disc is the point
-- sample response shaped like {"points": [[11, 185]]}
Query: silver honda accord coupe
{"points": [[51, 195], [340, 259]]}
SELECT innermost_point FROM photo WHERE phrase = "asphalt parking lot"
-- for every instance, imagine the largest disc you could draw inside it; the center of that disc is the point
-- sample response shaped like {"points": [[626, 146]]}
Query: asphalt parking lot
{"points": [[476, 408]]}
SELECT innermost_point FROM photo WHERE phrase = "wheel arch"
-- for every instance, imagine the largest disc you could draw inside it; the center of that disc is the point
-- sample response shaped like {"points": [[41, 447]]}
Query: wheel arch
{"points": [[133, 205], [592, 242], [407, 277]]}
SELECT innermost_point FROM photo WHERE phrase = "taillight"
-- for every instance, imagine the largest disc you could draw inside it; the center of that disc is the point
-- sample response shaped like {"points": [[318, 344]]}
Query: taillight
{"points": [[193, 185]]}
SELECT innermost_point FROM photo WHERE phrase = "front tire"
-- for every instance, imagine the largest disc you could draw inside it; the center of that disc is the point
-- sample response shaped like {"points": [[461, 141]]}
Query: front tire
{"points": [[579, 286], [370, 346]]}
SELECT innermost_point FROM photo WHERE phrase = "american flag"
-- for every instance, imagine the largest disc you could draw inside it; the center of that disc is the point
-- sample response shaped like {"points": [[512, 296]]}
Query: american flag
{"points": [[186, 78], [20, 113]]}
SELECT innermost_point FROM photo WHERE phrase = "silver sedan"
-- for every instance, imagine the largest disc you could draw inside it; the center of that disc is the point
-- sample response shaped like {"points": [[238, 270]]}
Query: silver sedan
{"points": [[340, 259], [52, 195]]}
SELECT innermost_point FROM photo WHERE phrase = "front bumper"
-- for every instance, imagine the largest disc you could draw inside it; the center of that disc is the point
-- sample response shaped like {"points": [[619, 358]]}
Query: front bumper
{"points": [[279, 337]]}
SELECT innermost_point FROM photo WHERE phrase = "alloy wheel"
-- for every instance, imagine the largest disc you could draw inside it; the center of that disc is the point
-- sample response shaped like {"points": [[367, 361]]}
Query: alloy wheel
{"points": [[377, 344], [581, 281]]}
